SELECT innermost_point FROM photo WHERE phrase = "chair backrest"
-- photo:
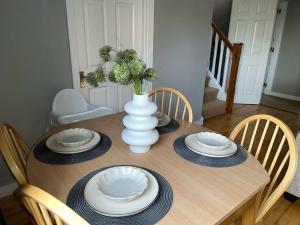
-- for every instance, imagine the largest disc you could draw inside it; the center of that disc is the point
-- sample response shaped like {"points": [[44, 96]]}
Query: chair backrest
{"points": [[69, 101], [46, 209], [165, 97], [14, 151], [273, 144]]}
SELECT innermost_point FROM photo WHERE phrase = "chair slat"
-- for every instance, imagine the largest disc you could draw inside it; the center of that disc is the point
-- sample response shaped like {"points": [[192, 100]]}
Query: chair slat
{"points": [[262, 139], [170, 104], [276, 155], [253, 135], [162, 102], [274, 180], [45, 215], [270, 147], [58, 220], [177, 107], [244, 134]]}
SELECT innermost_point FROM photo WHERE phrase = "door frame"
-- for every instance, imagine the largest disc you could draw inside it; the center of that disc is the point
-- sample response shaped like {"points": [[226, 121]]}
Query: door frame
{"points": [[147, 55], [276, 44]]}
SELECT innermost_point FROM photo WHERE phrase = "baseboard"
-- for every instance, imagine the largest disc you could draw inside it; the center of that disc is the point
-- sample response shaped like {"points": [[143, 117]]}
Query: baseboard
{"points": [[290, 197], [281, 95], [199, 121], [8, 189]]}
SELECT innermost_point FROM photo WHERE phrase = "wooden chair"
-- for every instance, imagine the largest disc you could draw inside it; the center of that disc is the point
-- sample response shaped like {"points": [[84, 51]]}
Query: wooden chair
{"points": [[45, 209], [273, 144], [14, 151], [180, 98]]}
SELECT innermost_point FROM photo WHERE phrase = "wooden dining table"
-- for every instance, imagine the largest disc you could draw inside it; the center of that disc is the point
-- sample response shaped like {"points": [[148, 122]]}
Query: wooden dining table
{"points": [[201, 195]]}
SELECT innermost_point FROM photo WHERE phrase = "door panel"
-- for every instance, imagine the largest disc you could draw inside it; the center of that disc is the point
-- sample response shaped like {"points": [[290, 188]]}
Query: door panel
{"points": [[252, 23], [119, 23]]}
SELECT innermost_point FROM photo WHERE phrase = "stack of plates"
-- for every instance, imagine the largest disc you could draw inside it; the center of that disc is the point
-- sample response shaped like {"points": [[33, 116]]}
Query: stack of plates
{"points": [[163, 119], [73, 141], [121, 191], [210, 144]]}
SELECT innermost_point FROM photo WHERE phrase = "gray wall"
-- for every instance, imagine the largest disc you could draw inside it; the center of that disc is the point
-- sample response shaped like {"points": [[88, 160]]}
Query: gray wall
{"points": [[222, 14], [181, 46], [34, 63], [287, 76]]}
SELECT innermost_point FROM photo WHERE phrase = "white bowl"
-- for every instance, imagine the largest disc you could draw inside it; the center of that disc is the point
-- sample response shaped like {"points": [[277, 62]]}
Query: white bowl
{"points": [[73, 137], [212, 141], [122, 183]]}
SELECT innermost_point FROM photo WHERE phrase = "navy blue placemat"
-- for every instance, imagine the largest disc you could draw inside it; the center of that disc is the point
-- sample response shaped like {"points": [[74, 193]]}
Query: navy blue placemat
{"points": [[45, 155], [154, 213], [181, 149], [172, 126]]}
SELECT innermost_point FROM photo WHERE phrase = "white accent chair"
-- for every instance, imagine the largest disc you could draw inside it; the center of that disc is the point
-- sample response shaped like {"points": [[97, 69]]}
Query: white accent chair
{"points": [[70, 106]]}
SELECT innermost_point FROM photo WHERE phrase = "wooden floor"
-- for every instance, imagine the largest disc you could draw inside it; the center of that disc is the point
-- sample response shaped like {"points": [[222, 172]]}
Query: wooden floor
{"points": [[283, 213]]}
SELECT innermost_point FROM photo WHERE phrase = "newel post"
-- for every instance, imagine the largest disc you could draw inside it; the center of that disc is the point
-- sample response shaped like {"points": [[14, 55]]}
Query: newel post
{"points": [[236, 55]]}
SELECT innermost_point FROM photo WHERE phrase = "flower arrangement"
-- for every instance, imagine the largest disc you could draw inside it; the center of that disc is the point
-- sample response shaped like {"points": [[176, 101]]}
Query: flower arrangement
{"points": [[128, 69]]}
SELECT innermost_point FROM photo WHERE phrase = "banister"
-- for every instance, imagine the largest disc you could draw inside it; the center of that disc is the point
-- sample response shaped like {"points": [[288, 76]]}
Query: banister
{"points": [[236, 50], [222, 36]]}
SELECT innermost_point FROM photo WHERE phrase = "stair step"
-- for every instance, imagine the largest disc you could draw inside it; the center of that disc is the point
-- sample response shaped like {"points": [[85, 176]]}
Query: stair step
{"points": [[206, 80], [210, 94], [213, 108]]}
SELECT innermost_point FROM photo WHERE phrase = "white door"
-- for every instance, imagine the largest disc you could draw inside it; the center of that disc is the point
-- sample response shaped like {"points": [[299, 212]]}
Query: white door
{"points": [[119, 23], [252, 23], [276, 43]]}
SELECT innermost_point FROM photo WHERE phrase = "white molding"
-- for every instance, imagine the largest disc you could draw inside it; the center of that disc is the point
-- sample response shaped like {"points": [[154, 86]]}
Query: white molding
{"points": [[200, 121], [281, 95], [273, 57], [8, 189], [214, 83], [73, 43]]}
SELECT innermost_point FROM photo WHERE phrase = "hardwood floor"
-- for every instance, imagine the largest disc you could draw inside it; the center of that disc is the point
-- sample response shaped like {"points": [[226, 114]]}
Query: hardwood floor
{"points": [[283, 213]]}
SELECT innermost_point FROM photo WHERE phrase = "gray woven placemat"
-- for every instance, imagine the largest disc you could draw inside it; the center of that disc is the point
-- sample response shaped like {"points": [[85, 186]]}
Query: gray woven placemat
{"points": [[172, 126], [181, 149], [158, 209], [45, 155]]}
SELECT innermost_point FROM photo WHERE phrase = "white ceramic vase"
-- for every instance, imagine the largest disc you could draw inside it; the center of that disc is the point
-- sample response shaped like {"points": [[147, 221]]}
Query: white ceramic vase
{"points": [[140, 132]]}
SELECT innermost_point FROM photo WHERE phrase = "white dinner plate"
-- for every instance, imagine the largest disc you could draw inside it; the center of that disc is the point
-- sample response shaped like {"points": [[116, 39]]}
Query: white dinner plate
{"points": [[105, 206], [163, 119], [73, 137], [52, 144], [192, 144], [122, 183]]}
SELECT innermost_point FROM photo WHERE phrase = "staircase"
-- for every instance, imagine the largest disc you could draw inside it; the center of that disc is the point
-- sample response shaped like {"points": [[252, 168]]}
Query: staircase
{"points": [[211, 105], [221, 75]]}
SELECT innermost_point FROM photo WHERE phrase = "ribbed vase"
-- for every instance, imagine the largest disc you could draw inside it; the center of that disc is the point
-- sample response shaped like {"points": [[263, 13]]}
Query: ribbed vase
{"points": [[140, 132]]}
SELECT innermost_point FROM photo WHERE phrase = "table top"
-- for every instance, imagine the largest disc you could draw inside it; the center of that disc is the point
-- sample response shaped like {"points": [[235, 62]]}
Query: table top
{"points": [[202, 195]]}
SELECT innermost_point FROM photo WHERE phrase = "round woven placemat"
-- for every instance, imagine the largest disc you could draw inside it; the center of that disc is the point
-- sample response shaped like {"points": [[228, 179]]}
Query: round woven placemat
{"points": [[181, 149], [154, 213], [45, 155], [172, 126]]}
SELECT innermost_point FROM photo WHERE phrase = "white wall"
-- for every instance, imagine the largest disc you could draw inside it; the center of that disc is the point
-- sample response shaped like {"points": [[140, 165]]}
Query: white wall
{"points": [[222, 14]]}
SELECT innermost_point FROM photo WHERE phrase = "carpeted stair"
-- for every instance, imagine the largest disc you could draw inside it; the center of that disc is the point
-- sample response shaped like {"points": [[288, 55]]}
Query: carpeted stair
{"points": [[211, 105]]}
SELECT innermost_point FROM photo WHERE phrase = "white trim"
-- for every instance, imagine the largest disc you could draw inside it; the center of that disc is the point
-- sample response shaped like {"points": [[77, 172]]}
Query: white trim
{"points": [[281, 95], [199, 122], [8, 189], [273, 56], [73, 43], [214, 83]]}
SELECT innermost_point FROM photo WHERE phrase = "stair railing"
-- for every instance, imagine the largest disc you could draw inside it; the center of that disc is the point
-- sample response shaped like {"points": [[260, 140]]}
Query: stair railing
{"points": [[224, 65]]}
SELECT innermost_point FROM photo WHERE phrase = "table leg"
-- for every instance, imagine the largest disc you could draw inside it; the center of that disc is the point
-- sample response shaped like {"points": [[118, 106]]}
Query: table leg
{"points": [[249, 215]]}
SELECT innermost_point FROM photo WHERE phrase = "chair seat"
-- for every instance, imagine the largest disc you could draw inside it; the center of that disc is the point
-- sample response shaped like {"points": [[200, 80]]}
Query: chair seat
{"points": [[92, 113]]}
